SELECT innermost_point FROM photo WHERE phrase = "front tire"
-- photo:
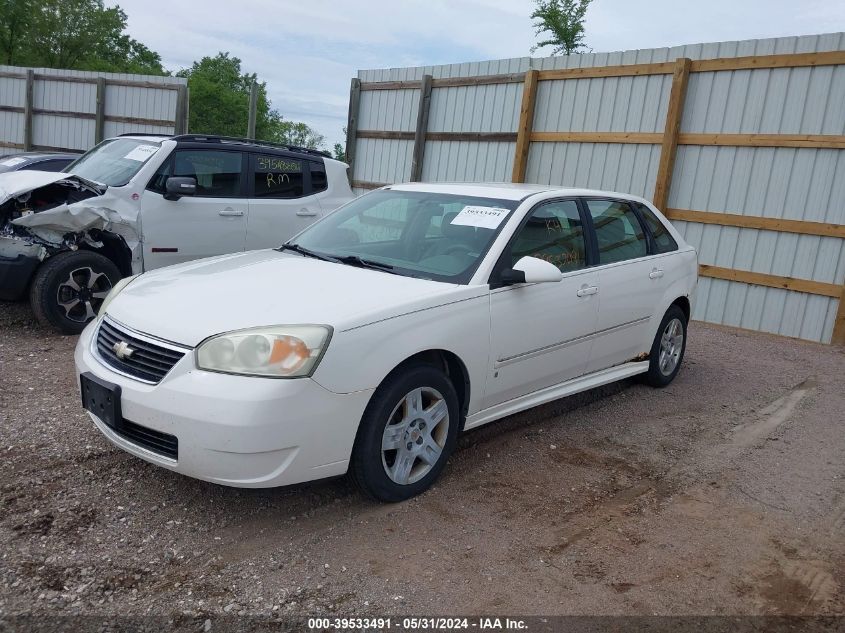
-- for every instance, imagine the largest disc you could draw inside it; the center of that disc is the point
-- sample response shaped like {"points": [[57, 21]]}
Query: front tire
{"points": [[667, 350], [407, 433], [69, 288]]}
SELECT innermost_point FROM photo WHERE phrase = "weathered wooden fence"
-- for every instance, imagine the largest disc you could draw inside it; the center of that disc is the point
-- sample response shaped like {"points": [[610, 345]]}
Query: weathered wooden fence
{"points": [[740, 143], [49, 109]]}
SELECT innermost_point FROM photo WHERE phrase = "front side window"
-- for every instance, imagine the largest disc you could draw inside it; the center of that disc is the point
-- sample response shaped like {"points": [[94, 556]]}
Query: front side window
{"points": [[114, 162], [552, 232], [415, 233], [663, 240], [218, 173], [278, 176], [618, 231]]}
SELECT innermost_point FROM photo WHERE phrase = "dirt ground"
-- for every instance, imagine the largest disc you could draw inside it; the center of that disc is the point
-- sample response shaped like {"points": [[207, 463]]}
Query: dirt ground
{"points": [[721, 494]]}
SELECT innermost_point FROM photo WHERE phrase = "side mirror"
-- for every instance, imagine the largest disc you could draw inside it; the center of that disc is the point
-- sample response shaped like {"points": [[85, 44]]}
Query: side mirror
{"points": [[531, 270], [178, 186]]}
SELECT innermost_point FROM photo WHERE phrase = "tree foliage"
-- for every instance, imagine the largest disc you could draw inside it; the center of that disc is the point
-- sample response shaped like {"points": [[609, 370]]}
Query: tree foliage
{"points": [[561, 22], [75, 34], [87, 35], [220, 104]]}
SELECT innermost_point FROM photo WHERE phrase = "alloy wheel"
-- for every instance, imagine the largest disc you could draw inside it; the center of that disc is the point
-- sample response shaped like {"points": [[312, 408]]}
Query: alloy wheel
{"points": [[82, 293], [671, 345], [415, 435]]}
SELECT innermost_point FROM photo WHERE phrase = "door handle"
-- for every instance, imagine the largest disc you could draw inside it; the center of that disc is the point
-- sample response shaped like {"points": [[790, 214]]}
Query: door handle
{"points": [[586, 291], [303, 212], [229, 212], [655, 274]]}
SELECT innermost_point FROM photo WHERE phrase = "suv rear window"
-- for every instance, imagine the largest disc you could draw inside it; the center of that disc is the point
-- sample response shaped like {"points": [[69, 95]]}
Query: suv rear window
{"points": [[277, 176]]}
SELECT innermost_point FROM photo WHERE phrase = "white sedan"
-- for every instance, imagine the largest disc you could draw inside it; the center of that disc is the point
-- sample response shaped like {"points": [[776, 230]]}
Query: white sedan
{"points": [[368, 342]]}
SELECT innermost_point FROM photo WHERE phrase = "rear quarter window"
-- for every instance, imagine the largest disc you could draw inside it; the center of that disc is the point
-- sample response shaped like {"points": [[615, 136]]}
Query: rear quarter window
{"points": [[663, 240]]}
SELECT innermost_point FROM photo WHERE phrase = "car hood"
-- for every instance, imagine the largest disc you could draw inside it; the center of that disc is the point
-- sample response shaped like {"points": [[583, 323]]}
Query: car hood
{"points": [[189, 302], [16, 183]]}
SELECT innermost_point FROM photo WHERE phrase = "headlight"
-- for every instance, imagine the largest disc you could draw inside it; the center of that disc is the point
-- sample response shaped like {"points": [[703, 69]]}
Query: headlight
{"points": [[282, 351], [120, 285]]}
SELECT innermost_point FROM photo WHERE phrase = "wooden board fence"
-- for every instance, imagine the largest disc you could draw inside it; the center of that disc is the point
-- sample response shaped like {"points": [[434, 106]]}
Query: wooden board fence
{"points": [[669, 140]]}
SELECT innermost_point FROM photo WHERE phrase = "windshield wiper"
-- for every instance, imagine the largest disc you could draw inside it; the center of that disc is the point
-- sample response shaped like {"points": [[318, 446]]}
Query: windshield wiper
{"points": [[296, 248], [355, 260]]}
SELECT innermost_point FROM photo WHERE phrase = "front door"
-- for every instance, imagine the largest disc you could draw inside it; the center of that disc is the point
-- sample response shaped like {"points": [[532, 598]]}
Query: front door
{"points": [[212, 222], [282, 202], [541, 334]]}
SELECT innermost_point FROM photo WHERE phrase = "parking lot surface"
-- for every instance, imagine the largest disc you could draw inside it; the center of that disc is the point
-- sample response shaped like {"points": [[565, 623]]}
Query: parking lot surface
{"points": [[723, 493]]}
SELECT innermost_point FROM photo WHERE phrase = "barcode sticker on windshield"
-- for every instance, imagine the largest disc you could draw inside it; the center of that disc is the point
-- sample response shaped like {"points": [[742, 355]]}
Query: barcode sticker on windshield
{"points": [[482, 217], [11, 162], [142, 153]]}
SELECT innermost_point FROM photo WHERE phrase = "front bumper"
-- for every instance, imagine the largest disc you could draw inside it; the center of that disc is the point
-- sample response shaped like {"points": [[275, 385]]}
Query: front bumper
{"points": [[235, 430]]}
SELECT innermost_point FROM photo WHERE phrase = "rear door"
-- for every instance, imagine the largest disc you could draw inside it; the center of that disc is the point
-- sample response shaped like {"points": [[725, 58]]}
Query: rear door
{"points": [[212, 222], [541, 333], [282, 201], [630, 282]]}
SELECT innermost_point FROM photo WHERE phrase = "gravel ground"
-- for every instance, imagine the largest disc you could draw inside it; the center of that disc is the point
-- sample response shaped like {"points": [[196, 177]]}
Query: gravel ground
{"points": [[721, 494]]}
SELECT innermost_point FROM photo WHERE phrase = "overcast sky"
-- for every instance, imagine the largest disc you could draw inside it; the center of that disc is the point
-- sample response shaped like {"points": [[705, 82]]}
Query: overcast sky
{"points": [[307, 51]]}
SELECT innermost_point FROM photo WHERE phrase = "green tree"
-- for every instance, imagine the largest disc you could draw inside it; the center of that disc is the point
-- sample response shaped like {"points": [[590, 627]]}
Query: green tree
{"points": [[561, 22], [220, 104], [76, 34], [339, 152]]}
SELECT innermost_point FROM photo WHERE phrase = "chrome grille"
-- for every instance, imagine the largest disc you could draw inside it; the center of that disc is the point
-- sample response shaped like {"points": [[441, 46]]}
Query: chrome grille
{"points": [[148, 361]]}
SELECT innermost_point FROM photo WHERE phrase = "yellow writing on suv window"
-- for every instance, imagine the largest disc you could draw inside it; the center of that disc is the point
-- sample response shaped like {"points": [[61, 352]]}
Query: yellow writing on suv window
{"points": [[277, 163], [276, 179]]}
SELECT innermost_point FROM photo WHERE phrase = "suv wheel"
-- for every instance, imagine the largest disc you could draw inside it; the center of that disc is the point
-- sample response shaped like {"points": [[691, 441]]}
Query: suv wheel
{"points": [[69, 288]]}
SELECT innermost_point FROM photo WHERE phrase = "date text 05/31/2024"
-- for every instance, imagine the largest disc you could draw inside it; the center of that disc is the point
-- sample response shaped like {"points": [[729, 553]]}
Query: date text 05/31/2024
{"points": [[416, 624]]}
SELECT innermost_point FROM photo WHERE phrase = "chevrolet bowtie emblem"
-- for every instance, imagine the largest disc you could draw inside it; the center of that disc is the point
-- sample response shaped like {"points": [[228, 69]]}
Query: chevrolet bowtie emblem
{"points": [[122, 350]]}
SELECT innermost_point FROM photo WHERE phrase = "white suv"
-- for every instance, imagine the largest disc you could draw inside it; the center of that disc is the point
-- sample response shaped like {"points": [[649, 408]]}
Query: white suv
{"points": [[139, 202]]}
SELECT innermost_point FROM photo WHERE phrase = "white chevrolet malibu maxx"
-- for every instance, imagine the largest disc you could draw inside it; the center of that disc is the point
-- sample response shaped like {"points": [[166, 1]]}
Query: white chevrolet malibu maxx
{"points": [[369, 341]]}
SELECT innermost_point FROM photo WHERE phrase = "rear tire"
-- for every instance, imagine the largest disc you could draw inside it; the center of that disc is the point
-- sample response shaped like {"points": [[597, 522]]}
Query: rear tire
{"points": [[69, 288], [667, 350], [407, 433]]}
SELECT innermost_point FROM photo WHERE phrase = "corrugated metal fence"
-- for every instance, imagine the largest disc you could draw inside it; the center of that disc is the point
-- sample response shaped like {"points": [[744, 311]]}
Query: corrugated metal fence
{"points": [[740, 143], [50, 109]]}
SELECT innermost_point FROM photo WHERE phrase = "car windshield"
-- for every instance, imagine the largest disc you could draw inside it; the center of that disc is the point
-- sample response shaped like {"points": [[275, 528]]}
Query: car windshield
{"points": [[114, 162], [414, 233]]}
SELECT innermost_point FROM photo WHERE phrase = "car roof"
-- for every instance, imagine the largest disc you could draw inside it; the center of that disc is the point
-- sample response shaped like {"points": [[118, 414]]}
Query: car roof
{"points": [[206, 140], [41, 155], [505, 190]]}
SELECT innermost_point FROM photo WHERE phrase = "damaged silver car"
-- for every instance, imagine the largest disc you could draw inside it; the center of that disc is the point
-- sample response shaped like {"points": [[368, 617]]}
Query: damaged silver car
{"points": [[138, 202]]}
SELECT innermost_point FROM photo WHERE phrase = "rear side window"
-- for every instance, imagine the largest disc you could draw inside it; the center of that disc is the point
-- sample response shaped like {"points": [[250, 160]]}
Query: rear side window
{"points": [[278, 176], [319, 181], [619, 233], [663, 240]]}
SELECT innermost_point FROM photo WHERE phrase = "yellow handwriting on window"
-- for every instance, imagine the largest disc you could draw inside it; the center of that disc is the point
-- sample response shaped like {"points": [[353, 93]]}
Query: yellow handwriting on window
{"points": [[276, 179]]}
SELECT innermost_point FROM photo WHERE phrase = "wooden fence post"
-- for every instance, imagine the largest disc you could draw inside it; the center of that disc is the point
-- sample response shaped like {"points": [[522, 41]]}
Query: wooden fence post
{"points": [[838, 337], [422, 127], [526, 123], [100, 120], [180, 122], [352, 125], [27, 110], [253, 110], [674, 113]]}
